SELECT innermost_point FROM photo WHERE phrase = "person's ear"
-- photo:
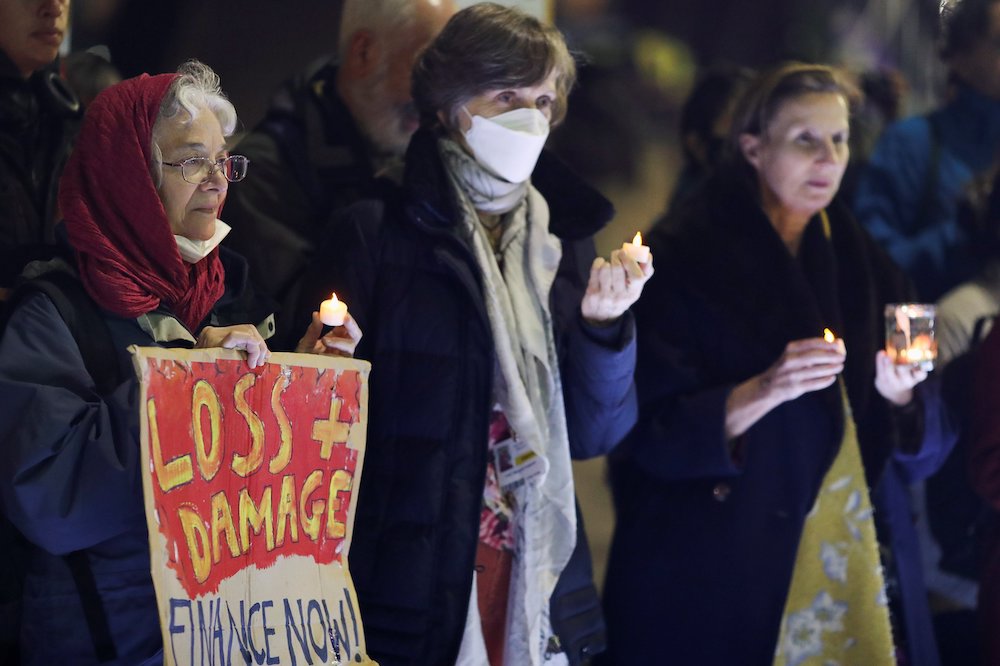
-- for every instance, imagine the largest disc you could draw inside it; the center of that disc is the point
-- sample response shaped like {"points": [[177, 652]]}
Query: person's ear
{"points": [[750, 145], [459, 121], [362, 54]]}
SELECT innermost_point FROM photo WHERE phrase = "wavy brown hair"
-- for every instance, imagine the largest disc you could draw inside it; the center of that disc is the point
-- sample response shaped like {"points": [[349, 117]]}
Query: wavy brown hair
{"points": [[485, 47]]}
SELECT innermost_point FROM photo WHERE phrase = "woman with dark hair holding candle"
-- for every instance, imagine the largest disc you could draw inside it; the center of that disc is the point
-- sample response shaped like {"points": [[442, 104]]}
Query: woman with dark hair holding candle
{"points": [[744, 526], [499, 346]]}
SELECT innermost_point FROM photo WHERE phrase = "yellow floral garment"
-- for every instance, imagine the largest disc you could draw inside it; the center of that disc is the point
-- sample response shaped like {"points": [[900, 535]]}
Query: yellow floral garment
{"points": [[837, 612]]}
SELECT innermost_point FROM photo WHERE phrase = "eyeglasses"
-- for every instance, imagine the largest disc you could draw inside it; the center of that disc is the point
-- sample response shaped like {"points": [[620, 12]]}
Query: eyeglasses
{"points": [[198, 170]]}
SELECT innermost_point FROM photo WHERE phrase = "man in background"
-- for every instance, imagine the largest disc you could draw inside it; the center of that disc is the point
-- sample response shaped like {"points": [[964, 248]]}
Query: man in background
{"points": [[38, 120], [908, 195], [327, 140]]}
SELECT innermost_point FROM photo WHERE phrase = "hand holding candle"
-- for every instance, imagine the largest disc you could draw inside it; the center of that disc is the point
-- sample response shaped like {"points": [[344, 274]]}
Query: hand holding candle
{"points": [[339, 341], [615, 284], [332, 311]]}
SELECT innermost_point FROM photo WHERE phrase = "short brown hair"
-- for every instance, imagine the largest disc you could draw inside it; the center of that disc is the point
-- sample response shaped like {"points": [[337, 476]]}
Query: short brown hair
{"points": [[484, 47], [769, 91]]}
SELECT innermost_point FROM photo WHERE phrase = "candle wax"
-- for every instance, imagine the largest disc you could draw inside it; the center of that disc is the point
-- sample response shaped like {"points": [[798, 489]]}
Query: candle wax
{"points": [[636, 250], [332, 311]]}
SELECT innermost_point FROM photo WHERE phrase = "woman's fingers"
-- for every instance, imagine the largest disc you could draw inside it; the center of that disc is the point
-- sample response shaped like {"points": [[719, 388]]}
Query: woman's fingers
{"points": [[344, 339], [896, 382], [352, 328], [806, 365], [257, 353], [611, 289], [307, 343], [247, 338]]}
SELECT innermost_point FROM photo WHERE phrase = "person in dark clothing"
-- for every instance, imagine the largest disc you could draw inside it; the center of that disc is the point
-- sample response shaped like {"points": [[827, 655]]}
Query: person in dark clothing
{"points": [[704, 129], [326, 139], [984, 472], [38, 119], [90, 72], [145, 238], [907, 194], [744, 530], [491, 327]]}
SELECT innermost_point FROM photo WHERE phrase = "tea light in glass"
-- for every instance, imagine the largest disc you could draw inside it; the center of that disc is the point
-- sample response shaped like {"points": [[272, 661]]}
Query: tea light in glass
{"points": [[909, 334]]}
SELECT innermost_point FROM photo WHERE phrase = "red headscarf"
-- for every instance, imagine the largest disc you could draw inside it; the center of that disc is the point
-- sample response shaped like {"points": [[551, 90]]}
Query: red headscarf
{"points": [[127, 255]]}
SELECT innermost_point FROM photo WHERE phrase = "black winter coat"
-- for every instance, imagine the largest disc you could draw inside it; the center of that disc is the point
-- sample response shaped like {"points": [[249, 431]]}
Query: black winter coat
{"points": [[705, 544], [38, 121], [309, 159], [414, 286]]}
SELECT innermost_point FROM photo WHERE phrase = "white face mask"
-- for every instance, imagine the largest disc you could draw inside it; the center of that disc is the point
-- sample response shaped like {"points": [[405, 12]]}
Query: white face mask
{"points": [[193, 251], [508, 144]]}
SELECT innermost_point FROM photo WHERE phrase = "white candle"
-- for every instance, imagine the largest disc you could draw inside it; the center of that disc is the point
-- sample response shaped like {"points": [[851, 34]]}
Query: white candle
{"points": [[636, 250], [332, 312]]}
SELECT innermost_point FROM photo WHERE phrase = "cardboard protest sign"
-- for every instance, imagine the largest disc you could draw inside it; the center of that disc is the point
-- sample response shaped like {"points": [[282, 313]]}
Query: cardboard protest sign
{"points": [[250, 480]]}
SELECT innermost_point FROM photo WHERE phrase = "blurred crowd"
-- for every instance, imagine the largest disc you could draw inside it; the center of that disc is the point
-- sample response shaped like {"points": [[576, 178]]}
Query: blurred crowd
{"points": [[788, 487]]}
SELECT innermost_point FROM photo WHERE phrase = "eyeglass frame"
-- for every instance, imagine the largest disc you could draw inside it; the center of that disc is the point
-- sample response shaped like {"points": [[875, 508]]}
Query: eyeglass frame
{"points": [[216, 166]]}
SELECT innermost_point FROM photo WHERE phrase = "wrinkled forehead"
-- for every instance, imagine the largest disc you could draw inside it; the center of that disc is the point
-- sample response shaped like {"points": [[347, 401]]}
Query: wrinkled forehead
{"points": [[201, 134]]}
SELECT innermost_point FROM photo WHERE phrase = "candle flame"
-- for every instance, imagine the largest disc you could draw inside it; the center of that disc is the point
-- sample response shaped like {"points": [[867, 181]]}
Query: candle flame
{"points": [[637, 240], [828, 335], [333, 296]]}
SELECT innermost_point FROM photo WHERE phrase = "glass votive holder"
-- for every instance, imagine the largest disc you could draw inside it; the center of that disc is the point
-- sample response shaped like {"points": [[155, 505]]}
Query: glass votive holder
{"points": [[909, 334]]}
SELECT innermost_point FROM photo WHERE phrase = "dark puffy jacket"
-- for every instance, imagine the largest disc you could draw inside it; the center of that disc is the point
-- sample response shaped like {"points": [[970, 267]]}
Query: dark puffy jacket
{"points": [[69, 480], [414, 286]]}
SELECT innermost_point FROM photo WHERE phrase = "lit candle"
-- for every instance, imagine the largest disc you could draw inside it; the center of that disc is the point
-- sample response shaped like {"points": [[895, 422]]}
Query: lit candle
{"points": [[909, 334], [332, 312], [636, 250], [830, 337]]}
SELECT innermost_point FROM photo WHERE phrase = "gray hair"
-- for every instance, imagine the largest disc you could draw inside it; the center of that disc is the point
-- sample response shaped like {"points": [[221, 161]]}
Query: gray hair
{"points": [[196, 88], [382, 17]]}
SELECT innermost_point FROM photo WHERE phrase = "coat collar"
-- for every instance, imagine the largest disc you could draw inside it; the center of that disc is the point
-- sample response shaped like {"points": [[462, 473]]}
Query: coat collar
{"points": [[577, 211]]}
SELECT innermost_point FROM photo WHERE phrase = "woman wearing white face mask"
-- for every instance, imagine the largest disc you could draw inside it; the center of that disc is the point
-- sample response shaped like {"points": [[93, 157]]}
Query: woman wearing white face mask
{"points": [[499, 347]]}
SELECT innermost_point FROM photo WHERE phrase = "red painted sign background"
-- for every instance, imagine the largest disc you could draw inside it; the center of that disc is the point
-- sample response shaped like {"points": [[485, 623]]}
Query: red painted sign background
{"points": [[249, 466]]}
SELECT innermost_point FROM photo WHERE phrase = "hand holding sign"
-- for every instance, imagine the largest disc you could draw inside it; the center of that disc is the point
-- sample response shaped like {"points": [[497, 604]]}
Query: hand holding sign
{"points": [[243, 337], [250, 484]]}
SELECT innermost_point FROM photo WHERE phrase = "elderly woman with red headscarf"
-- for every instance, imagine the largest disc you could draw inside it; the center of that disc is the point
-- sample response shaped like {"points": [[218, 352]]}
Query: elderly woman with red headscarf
{"points": [[141, 198]]}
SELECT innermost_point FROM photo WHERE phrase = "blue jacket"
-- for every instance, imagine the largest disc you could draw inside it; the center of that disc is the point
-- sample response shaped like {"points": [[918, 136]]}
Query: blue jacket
{"points": [[894, 522], [910, 208], [69, 479], [414, 286], [706, 534]]}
